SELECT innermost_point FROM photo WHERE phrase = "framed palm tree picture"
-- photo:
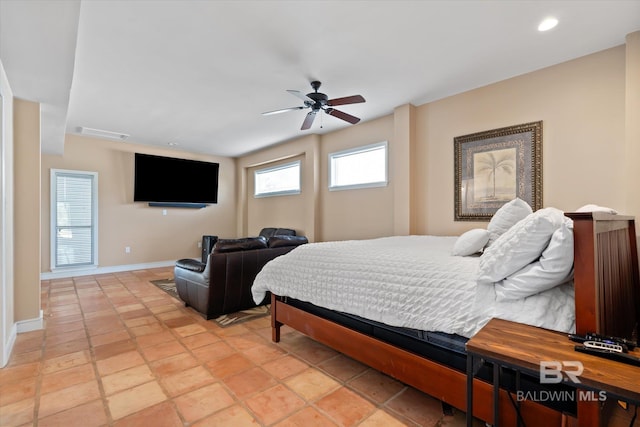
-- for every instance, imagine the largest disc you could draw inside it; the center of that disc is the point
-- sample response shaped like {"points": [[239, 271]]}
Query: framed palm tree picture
{"points": [[496, 166]]}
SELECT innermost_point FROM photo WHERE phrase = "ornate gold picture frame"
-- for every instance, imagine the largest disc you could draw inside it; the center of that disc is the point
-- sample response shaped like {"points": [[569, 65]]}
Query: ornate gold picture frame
{"points": [[496, 166]]}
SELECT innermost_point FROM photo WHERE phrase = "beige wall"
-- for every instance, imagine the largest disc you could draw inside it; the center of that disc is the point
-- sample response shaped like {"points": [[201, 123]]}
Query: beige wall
{"points": [[581, 104], [152, 236], [299, 212], [632, 119], [27, 206], [318, 213], [362, 213], [271, 211]]}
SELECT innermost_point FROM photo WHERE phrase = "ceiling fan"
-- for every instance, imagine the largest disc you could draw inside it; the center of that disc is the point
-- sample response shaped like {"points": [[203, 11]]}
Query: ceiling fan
{"points": [[319, 101]]}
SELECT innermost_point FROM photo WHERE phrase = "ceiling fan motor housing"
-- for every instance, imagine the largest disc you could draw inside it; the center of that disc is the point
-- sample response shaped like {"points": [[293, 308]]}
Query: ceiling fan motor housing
{"points": [[320, 100]]}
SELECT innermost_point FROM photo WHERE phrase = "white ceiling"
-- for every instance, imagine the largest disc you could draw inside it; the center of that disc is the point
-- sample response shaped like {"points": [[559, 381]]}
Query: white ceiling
{"points": [[200, 73]]}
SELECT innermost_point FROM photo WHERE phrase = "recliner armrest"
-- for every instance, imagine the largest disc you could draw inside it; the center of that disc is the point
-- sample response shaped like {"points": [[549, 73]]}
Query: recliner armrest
{"points": [[191, 264], [280, 241]]}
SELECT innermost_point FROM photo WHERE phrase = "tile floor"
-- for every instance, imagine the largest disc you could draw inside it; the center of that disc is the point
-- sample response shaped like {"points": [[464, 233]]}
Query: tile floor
{"points": [[118, 351]]}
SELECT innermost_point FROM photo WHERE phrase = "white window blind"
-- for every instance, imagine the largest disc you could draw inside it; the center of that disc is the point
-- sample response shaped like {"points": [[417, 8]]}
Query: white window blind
{"points": [[74, 218]]}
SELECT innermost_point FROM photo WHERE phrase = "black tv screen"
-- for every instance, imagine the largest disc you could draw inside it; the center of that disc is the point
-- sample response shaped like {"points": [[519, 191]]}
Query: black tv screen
{"points": [[171, 180]]}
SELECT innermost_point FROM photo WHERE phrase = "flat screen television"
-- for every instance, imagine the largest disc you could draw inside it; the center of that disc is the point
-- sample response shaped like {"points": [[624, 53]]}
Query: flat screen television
{"points": [[176, 181]]}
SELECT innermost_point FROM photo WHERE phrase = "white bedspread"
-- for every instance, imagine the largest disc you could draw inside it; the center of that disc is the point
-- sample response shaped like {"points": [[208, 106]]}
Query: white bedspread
{"points": [[408, 281]]}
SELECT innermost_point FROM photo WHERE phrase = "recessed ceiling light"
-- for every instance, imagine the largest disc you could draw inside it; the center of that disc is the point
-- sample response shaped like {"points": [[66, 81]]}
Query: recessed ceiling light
{"points": [[172, 144], [547, 24]]}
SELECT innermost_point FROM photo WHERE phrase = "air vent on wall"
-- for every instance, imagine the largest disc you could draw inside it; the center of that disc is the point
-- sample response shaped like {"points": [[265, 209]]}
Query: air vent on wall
{"points": [[103, 133]]}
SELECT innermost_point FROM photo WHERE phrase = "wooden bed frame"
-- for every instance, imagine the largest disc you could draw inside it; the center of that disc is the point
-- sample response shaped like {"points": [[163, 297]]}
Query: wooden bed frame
{"points": [[607, 299]]}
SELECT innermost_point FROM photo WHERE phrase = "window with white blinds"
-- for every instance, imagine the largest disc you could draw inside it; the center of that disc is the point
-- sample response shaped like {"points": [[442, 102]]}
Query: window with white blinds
{"points": [[73, 218]]}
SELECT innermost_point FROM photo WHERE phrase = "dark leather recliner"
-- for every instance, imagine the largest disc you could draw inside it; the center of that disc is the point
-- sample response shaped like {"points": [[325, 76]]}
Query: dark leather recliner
{"points": [[223, 284]]}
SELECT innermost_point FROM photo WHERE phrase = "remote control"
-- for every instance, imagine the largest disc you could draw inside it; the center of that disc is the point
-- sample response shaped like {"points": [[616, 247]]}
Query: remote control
{"points": [[618, 357], [624, 343]]}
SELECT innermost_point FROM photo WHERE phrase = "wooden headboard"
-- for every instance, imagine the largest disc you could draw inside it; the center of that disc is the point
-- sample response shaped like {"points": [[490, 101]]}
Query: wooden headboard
{"points": [[607, 287]]}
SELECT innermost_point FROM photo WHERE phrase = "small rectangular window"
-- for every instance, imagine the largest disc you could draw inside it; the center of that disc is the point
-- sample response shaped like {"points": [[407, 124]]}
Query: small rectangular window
{"points": [[359, 167], [277, 181]]}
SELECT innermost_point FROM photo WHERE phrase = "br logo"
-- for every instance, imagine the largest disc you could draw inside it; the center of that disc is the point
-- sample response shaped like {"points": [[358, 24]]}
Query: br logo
{"points": [[551, 371]]}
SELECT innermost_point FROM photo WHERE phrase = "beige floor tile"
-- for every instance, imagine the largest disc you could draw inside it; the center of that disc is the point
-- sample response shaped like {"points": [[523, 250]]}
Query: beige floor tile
{"points": [[190, 329], [249, 382], [135, 399], [110, 337], [120, 362], [66, 378], [418, 407], [346, 407], [203, 402], [113, 349], [285, 367], [128, 378], [381, 418], [160, 415], [52, 351], [66, 398], [16, 391], [89, 415], [200, 340], [274, 404], [18, 413], [187, 380], [65, 337], [223, 368], [163, 350], [147, 329], [307, 417], [154, 339], [215, 351], [66, 361], [235, 416], [264, 353], [174, 364], [377, 386], [19, 372], [312, 384], [342, 367]]}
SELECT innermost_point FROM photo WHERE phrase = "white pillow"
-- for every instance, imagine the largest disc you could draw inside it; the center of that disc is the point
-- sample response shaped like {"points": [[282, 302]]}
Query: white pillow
{"points": [[470, 242], [554, 267], [506, 217], [596, 208], [520, 245]]}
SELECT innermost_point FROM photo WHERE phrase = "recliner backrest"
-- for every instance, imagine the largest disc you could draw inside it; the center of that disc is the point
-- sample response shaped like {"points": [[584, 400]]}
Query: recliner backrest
{"points": [[272, 231]]}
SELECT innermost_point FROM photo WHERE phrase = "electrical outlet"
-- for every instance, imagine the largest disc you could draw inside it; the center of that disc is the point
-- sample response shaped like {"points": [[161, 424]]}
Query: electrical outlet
{"points": [[200, 243], [127, 249], [164, 212]]}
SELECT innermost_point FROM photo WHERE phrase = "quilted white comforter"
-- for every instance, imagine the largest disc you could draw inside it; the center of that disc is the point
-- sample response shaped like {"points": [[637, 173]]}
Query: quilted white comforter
{"points": [[407, 281]]}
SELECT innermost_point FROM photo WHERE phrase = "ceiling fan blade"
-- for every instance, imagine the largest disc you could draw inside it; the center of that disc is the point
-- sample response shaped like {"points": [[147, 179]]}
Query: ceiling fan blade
{"points": [[342, 115], [354, 99], [284, 110], [302, 96], [308, 121]]}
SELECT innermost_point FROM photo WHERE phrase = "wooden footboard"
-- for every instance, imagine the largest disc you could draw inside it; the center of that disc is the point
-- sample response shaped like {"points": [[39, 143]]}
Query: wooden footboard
{"points": [[606, 281]]}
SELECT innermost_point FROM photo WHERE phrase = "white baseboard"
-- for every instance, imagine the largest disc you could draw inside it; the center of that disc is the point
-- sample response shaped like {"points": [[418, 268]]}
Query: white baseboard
{"points": [[30, 324], [8, 346], [64, 273]]}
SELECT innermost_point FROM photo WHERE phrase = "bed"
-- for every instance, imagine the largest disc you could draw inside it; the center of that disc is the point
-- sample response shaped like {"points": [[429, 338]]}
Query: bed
{"points": [[602, 297]]}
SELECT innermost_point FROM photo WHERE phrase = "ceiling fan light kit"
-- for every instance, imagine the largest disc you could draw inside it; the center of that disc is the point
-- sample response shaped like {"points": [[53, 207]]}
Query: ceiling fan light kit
{"points": [[318, 101]]}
